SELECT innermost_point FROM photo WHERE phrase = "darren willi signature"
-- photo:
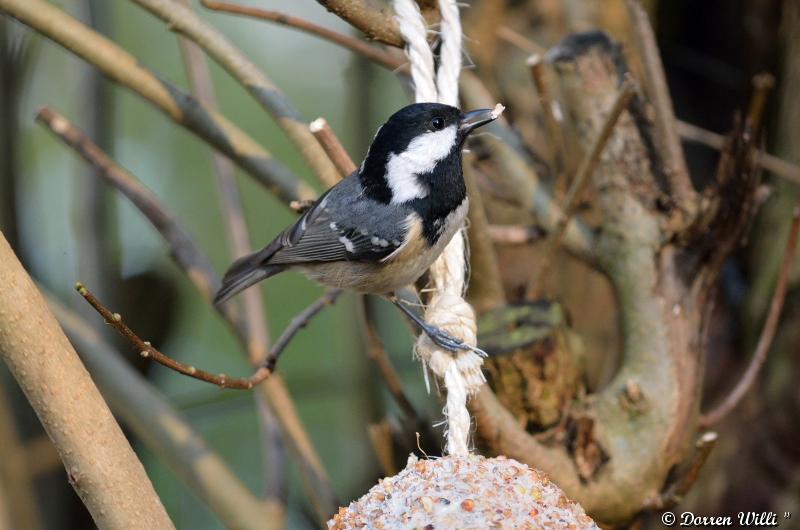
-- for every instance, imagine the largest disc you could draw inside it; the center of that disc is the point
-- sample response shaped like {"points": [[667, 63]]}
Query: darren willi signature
{"points": [[742, 519]]}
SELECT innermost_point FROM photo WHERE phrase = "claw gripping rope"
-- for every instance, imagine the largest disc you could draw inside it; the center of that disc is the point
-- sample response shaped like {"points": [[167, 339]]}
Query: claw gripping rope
{"points": [[447, 308]]}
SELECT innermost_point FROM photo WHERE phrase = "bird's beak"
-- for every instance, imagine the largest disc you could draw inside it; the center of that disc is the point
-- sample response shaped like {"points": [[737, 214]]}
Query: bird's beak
{"points": [[475, 118]]}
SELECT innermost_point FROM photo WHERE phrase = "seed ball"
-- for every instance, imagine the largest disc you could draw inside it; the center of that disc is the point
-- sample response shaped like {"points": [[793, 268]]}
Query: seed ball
{"points": [[467, 492]]}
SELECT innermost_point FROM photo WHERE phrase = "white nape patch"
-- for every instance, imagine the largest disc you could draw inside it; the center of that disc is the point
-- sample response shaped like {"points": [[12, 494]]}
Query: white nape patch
{"points": [[333, 226], [421, 156], [348, 245]]}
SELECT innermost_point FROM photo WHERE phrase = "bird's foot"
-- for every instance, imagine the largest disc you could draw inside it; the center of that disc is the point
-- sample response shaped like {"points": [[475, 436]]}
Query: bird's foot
{"points": [[444, 340]]}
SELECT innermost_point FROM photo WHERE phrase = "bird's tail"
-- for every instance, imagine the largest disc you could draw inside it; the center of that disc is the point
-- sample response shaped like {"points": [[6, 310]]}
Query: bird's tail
{"points": [[245, 271]]}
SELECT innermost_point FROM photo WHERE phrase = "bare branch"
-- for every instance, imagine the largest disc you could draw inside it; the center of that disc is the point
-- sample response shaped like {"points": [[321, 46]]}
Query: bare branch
{"points": [[369, 51], [378, 354], [184, 250], [147, 351], [263, 371], [767, 333], [333, 147], [121, 67], [377, 24], [773, 164], [515, 235], [183, 20], [166, 432], [676, 491], [578, 188], [485, 290], [299, 322], [667, 139], [100, 463], [556, 136], [520, 41]]}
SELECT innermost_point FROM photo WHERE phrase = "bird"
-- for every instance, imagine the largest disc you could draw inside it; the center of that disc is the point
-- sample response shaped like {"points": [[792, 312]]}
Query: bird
{"points": [[380, 228]]}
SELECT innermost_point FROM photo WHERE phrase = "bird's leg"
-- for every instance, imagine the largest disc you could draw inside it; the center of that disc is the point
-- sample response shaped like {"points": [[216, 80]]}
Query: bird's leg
{"points": [[438, 336]]}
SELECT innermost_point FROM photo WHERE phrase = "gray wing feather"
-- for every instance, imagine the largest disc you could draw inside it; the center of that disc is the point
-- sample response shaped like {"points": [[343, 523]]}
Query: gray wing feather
{"points": [[343, 226]]}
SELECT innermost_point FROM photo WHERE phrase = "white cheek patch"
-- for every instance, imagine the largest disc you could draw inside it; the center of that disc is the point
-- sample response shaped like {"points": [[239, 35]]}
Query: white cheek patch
{"points": [[420, 157]]}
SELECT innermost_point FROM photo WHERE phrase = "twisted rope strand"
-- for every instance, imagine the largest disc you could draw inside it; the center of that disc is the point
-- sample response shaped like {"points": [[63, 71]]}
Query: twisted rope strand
{"points": [[447, 308]]}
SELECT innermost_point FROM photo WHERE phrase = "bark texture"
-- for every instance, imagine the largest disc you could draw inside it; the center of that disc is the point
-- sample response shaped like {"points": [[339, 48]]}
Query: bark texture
{"points": [[100, 463]]}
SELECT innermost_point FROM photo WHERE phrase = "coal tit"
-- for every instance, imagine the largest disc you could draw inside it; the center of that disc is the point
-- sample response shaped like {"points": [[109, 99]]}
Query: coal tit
{"points": [[381, 228]]}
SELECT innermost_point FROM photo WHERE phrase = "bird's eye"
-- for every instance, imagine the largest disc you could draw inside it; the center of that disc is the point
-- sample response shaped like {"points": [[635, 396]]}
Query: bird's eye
{"points": [[437, 124]]}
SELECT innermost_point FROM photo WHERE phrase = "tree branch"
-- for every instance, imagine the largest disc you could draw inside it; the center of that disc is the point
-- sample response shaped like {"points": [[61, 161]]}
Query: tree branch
{"points": [[376, 23], [183, 20], [675, 492], [556, 135], [102, 467], [184, 249], [578, 189], [263, 370], [121, 67], [515, 235], [166, 432], [667, 139], [333, 147], [727, 405], [773, 164], [369, 51], [378, 354]]}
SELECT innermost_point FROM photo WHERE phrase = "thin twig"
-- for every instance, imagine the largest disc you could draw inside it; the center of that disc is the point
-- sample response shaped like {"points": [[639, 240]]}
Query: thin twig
{"points": [[378, 354], [369, 51], [333, 147], [147, 351], [578, 187], [186, 22], [678, 489], [123, 68], [520, 41], [299, 322], [666, 136], [254, 316], [184, 249], [762, 85], [515, 235], [771, 163], [263, 371], [485, 290], [767, 333], [547, 102]]}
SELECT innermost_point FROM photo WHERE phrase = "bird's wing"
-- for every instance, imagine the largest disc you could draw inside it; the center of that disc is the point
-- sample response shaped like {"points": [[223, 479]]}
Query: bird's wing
{"points": [[342, 226]]}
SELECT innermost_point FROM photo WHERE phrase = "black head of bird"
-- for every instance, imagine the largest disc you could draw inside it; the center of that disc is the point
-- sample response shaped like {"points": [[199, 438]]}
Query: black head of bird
{"points": [[380, 228]]}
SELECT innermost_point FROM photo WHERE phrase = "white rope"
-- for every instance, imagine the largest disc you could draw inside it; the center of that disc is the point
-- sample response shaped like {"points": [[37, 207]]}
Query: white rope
{"points": [[412, 26], [447, 308]]}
